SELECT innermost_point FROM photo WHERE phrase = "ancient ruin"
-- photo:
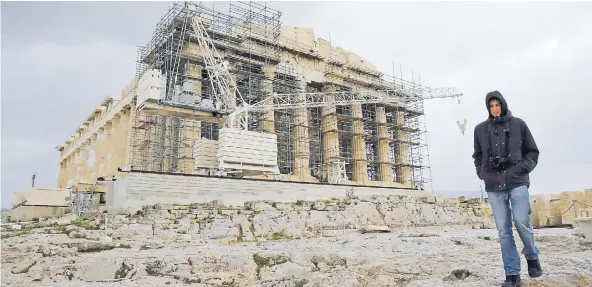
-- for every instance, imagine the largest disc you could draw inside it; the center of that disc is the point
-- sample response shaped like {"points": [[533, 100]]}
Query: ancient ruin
{"points": [[238, 95]]}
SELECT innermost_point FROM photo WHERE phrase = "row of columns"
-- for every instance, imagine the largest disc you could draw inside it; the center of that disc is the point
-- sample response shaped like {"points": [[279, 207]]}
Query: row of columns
{"points": [[330, 139], [112, 153]]}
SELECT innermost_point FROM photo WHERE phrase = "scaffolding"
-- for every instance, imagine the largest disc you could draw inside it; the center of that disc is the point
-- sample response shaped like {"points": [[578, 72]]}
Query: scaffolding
{"points": [[83, 201], [371, 143], [247, 38], [165, 143], [379, 143]]}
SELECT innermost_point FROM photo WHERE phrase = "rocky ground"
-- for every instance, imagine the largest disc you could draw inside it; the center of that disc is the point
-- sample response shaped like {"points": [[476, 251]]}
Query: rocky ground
{"points": [[142, 250]]}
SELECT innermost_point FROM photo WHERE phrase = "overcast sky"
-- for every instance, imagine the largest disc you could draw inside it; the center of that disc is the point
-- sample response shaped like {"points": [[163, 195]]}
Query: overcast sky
{"points": [[60, 59]]}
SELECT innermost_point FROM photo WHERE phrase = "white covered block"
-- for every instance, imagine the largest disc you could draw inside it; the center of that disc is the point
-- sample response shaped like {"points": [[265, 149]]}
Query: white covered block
{"points": [[247, 150], [150, 86]]}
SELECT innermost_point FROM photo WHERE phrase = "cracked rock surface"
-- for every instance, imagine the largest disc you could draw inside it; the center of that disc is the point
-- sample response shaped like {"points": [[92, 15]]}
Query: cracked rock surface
{"points": [[412, 242], [426, 256]]}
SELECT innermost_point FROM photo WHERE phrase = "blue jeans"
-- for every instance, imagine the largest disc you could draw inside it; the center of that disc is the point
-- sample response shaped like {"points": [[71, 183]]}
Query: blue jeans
{"points": [[503, 215]]}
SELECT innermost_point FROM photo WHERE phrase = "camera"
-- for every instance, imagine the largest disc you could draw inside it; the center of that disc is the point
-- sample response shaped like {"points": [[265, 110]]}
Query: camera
{"points": [[498, 162]]}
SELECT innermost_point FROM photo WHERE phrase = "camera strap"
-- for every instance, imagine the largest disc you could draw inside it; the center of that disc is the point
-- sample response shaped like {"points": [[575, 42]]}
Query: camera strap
{"points": [[507, 139], [506, 130]]}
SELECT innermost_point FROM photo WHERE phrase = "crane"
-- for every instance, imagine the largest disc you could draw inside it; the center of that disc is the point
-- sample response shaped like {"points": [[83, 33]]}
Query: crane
{"points": [[322, 99], [226, 92], [232, 138], [224, 87]]}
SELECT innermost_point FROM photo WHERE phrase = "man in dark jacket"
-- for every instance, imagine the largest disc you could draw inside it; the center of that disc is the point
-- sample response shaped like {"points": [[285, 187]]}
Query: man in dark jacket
{"points": [[505, 153]]}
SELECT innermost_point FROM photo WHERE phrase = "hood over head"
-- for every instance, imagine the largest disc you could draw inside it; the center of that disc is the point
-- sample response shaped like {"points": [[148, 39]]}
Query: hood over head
{"points": [[506, 113]]}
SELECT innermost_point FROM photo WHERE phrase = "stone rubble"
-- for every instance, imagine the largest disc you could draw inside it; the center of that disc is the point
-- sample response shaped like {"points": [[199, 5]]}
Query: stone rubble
{"points": [[24, 266], [420, 242]]}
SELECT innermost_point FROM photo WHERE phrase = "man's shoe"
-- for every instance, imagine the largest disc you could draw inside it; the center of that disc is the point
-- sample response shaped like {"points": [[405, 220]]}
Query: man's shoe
{"points": [[512, 281], [534, 268]]}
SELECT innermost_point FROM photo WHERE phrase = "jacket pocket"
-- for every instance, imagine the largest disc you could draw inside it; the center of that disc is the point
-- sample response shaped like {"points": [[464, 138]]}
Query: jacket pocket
{"points": [[491, 179], [521, 168], [517, 174]]}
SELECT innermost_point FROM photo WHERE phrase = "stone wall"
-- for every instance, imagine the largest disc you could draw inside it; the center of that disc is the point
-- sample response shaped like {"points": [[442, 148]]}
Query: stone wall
{"points": [[138, 189], [273, 220], [26, 213], [560, 209]]}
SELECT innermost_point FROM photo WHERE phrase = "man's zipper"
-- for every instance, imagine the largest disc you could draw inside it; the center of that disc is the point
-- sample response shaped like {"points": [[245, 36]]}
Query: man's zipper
{"points": [[499, 177]]}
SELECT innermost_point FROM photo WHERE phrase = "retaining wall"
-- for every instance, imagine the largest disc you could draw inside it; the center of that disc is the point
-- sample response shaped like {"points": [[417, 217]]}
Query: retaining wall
{"points": [[140, 188]]}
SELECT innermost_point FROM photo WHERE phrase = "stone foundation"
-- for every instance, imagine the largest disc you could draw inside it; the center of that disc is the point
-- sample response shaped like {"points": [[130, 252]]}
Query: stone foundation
{"points": [[301, 219], [141, 188]]}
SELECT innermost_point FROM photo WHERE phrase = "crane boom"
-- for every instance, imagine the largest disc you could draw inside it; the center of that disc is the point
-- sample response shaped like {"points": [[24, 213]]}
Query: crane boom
{"points": [[322, 99], [225, 89]]}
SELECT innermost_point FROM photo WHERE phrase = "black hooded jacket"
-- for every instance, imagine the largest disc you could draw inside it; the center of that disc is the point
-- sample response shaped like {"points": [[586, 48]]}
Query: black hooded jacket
{"points": [[504, 136]]}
